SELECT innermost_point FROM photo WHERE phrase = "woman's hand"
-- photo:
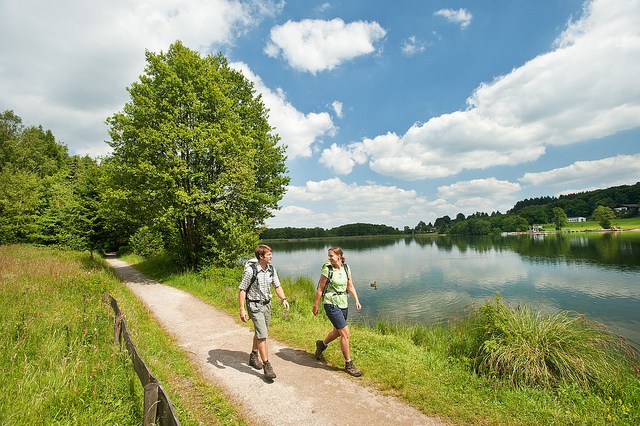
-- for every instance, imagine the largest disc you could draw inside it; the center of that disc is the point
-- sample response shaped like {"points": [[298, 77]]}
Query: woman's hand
{"points": [[314, 310]]}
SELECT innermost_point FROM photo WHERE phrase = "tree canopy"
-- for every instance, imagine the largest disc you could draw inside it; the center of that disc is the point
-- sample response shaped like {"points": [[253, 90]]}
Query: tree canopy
{"points": [[46, 196], [194, 158], [604, 215]]}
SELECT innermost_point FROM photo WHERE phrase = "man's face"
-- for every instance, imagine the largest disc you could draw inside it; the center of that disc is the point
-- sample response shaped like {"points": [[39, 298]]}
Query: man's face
{"points": [[268, 256]]}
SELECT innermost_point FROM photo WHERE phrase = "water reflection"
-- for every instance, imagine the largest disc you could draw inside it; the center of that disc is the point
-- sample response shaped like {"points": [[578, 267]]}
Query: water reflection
{"points": [[432, 279]]}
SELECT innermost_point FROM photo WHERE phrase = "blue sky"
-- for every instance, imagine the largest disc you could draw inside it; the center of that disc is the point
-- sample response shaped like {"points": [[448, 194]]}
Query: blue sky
{"points": [[392, 112]]}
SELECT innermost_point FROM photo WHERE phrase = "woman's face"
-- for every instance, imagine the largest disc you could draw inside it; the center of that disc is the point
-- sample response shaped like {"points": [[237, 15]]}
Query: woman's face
{"points": [[334, 258]]}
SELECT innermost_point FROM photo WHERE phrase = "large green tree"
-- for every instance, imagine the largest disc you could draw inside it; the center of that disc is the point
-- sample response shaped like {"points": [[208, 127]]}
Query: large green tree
{"points": [[560, 218], [194, 157], [604, 215]]}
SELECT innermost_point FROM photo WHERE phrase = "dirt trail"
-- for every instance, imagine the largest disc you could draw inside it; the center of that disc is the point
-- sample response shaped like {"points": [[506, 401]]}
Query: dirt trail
{"points": [[306, 391]]}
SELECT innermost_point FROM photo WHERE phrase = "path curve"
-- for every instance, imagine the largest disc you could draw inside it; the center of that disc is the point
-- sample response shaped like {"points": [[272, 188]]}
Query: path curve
{"points": [[305, 391]]}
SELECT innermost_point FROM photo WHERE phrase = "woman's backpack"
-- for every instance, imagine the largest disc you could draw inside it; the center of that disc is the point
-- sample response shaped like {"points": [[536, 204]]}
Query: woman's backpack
{"points": [[329, 266]]}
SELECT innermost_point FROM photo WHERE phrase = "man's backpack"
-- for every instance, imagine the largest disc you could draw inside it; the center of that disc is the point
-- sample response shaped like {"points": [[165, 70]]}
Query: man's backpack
{"points": [[330, 275], [253, 263]]}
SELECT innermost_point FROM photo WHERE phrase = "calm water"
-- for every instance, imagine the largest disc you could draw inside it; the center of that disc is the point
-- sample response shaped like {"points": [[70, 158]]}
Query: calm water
{"points": [[432, 279]]}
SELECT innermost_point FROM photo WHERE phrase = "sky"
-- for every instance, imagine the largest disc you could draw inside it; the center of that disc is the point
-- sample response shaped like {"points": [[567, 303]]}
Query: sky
{"points": [[392, 112]]}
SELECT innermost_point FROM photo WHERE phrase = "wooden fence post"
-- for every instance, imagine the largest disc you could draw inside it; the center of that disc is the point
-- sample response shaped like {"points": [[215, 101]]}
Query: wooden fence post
{"points": [[157, 405], [150, 403]]}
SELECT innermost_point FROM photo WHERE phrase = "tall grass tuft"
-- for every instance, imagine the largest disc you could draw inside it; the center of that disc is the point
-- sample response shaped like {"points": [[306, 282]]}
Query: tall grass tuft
{"points": [[538, 349]]}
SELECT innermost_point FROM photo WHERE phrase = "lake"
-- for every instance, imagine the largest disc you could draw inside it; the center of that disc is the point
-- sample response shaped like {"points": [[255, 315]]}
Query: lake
{"points": [[428, 279]]}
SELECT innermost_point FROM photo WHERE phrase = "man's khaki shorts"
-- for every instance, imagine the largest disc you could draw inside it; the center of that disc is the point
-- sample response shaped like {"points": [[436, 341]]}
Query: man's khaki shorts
{"points": [[261, 316]]}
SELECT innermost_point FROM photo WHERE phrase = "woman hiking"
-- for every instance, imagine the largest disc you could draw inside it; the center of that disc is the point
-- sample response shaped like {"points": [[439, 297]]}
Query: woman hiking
{"points": [[335, 282]]}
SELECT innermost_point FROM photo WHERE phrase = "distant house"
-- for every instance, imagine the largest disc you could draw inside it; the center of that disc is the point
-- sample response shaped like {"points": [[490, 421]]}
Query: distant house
{"points": [[627, 209], [576, 219]]}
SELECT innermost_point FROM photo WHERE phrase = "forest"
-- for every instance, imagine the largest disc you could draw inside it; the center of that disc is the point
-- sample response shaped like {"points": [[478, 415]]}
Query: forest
{"points": [[194, 170]]}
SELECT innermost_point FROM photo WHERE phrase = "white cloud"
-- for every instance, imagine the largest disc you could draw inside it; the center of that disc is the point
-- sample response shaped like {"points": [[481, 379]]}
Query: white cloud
{"points": [[65, 64], [323, 7], [585, 89], [411, 46], [298, 131], [337, 159], [333, 203], [480, 195], [342, 160], [317, 45], [485, 188], [588, 175], [460, 16], [337, 108]]}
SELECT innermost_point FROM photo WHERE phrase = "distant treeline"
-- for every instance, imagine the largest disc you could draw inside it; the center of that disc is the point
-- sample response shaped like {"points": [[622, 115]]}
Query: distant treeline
{"points": [[350, 230], [521, 217], [581, 204]]}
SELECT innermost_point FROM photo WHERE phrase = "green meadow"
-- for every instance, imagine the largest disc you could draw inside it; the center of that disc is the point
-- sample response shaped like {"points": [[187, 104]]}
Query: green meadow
{"points": [[58, 359]]}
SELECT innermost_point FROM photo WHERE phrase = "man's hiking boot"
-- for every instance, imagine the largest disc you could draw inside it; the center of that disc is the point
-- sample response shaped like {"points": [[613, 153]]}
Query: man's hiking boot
{"points": [[320, 347], [268, 371], [254, 361], [352, 369]]}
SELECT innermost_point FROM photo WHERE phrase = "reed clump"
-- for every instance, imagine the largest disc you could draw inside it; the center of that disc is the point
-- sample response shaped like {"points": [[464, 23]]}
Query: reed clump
{"points": [[539, 349]]}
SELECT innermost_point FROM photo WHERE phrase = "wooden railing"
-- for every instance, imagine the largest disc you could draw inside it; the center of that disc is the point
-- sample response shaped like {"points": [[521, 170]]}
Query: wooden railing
{"points": [[157, 405]]}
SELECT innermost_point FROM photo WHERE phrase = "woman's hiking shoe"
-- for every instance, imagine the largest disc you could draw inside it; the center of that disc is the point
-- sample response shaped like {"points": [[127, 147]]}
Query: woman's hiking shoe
{"points": [[268, 371], [320, 347], [352, 369], [254, 361]]}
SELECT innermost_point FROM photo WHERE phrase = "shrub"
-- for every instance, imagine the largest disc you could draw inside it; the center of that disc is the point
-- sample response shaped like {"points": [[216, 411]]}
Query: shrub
{"points": [[146, 242], [533, 348]]}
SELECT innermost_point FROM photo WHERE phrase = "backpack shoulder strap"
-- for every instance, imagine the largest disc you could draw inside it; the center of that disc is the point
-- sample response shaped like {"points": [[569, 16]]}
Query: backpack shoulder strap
{"points": [[329, 275], [254, 269]]}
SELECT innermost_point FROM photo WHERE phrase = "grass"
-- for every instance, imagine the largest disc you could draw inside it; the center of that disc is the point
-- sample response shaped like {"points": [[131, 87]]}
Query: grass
{"points": [[58, 360], [592, 225], [440, 369], [544, 350]]}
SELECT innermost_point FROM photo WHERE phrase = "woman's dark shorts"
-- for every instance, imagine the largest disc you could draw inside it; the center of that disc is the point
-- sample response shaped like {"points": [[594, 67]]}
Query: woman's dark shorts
{"points": [[337, 316]]}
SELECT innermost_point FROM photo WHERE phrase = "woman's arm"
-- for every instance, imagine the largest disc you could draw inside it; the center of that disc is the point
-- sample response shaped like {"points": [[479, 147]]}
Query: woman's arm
{"points": [[352, 290], [321, 284]]}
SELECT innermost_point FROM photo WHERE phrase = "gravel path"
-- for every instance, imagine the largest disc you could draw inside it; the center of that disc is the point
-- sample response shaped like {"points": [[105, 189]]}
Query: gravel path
{"points": [[305, 392]]}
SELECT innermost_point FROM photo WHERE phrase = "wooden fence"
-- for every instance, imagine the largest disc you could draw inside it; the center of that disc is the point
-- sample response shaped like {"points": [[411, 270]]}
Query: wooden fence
{"points": [[157, 405]]}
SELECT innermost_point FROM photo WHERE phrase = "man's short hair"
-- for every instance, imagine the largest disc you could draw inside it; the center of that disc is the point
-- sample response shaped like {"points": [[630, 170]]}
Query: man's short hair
{"points": [[262, 250]]}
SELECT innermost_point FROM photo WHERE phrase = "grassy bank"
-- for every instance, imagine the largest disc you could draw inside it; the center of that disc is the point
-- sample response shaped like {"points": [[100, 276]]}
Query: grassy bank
{"points": [[57, 356], [592, 225], [434, 368]]}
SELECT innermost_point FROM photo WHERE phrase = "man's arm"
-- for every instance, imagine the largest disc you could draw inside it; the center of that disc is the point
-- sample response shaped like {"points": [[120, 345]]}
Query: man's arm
{"points": [[242, 296], [280, 293]]}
